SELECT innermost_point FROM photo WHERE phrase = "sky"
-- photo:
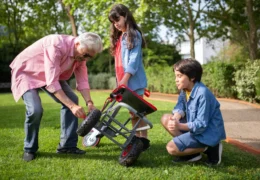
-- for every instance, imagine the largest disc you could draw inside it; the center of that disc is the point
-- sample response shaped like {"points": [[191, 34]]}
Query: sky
{"points": [[163, 34]]}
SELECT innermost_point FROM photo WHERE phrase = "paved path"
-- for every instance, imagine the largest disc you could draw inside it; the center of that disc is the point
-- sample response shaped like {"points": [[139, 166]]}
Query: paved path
{"points": [[242, 121]]}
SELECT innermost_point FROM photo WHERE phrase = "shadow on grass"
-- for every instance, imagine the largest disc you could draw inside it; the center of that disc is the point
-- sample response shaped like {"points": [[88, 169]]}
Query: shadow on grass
{"points": [[157, 156], [91, 156]]}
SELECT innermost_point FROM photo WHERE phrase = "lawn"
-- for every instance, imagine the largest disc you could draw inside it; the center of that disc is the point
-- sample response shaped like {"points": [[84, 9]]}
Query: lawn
{"points": [[102, 162]]}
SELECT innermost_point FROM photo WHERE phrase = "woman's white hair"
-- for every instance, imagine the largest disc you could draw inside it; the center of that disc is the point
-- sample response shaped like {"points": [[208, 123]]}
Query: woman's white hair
{"points": [[91, 41]]}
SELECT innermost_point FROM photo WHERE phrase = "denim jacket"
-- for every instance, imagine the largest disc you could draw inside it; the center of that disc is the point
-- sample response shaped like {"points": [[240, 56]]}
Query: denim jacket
{"points": [[203, 115], [133, 62]]}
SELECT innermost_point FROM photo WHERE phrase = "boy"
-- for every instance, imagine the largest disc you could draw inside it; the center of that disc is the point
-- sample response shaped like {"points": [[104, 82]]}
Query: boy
{"points": [[196, 122]]}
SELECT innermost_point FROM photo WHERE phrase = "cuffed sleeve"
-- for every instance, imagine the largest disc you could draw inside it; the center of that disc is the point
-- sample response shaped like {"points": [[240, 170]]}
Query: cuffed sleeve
{"points": [[81, 75], [130, 70], [55, 86], [181, 112]]}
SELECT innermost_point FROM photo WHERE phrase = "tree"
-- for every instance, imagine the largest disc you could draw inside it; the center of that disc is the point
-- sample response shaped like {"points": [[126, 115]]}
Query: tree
{"points": [[183, 18], [238, 21], [11, 21], [22, 22], [25, 21], [69, 12]]}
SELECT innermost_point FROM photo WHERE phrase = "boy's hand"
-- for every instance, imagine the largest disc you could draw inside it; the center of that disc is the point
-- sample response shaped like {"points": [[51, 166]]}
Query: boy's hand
{"points": [[173, 125], [176, 116]]}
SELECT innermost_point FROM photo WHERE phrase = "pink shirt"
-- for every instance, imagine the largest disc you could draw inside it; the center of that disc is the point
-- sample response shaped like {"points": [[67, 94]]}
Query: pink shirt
{"points": [[44, 63]]}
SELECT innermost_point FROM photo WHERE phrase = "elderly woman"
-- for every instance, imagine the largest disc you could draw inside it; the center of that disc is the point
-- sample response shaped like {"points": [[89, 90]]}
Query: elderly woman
{"points": [[46, 65]]}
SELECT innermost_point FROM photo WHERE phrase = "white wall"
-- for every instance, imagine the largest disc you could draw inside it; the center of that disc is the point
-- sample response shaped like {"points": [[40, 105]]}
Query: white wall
{"points": [[204, 50]]}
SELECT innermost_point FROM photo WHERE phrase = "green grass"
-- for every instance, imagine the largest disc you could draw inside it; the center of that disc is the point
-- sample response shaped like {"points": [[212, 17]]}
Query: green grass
{"points": [[102, 162]]}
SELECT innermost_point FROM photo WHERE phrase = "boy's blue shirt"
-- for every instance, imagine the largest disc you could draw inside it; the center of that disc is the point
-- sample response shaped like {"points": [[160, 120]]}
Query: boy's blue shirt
{"points": [[202, 111], [133, 62]]}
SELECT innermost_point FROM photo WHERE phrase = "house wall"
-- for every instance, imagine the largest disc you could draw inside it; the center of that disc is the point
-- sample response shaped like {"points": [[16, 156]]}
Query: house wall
{"points": [[204, 50]]}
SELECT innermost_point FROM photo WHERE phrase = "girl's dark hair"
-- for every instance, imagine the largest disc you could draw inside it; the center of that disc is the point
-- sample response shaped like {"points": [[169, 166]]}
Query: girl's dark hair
{"points": [[189, 67], [131, 27]]}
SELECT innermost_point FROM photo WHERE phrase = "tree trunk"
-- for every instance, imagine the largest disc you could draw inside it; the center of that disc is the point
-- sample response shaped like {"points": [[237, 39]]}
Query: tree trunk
{"points": [[72, 21], [192, 42], [191, 29], [252, 40], [71, 18]]}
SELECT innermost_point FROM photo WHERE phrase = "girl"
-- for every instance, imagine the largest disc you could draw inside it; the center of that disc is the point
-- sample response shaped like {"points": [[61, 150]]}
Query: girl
{"points": [[126, 43]]}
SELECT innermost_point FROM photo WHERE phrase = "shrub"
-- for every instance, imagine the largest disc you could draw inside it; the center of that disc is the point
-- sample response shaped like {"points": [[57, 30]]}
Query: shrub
{"points": [[98, 81], [248, 80], [161, 79], [218, 77], [112, 83]]}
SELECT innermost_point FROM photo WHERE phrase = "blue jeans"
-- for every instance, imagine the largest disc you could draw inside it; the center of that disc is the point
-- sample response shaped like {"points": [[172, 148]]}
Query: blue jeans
{"points": [[34, 111]]}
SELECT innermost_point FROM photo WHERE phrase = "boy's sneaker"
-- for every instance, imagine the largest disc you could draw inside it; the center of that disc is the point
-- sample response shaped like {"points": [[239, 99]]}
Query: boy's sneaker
{"points": [[146, 143], [74, 150], [29, 156], [214, 154], [188, 158]]}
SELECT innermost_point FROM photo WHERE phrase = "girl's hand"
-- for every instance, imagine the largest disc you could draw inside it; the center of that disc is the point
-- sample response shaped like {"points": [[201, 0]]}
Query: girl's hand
{"points": [[125, 79], [123, 82]]}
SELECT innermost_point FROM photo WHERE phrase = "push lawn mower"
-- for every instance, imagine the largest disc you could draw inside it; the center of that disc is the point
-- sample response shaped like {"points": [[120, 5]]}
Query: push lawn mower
{"points": [[105, 123]]}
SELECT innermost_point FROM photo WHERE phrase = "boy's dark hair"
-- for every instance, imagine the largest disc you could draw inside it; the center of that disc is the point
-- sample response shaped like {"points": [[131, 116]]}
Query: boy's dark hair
{"points": [[131, 27], [189, 67]]}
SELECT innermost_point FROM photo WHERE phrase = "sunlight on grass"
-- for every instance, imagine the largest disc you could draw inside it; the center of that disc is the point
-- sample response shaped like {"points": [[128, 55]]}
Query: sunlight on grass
{"points": [[102, 162]]}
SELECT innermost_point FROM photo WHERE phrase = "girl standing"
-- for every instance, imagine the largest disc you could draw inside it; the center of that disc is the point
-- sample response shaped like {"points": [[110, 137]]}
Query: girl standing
{"points": [[126, 43]]}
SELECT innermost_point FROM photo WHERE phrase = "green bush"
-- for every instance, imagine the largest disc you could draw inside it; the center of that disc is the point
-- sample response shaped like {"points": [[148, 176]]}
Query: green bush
{"points": [[248, 81], [257, 84], [218, 77], [161, 79], [112, 83], [98, 81]]}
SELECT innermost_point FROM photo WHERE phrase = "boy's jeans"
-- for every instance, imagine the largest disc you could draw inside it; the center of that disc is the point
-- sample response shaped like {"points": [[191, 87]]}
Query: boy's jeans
{"points": [[34, 111]]}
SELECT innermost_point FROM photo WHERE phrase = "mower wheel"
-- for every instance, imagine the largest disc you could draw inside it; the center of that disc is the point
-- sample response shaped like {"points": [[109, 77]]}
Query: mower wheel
{"points": [[131, 153], [91, 120], [89, 140]]}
